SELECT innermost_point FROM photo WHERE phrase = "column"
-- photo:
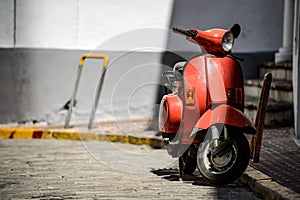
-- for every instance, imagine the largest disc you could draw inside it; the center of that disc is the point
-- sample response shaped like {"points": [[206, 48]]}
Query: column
{"points": [[285, 52], [296, 70]]}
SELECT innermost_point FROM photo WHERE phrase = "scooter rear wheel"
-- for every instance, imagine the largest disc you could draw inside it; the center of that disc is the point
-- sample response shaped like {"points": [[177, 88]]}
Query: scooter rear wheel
{"points": [[228, 166], [189, 163]]}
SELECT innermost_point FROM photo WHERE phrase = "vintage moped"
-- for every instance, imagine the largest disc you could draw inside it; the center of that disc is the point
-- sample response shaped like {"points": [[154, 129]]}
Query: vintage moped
{"points": [[202, 120]]}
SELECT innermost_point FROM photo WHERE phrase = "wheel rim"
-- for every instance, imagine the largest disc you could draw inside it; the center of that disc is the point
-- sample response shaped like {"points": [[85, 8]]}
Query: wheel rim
{"points": [[222, 161], [218, 164]]}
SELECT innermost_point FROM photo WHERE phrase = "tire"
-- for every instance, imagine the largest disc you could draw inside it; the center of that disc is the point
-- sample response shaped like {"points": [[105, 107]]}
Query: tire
{"points": [[189, 164], [229, 166]]}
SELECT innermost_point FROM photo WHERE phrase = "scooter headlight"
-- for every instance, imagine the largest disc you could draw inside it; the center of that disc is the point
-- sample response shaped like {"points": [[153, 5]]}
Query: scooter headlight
{"points": [[227, 41]]}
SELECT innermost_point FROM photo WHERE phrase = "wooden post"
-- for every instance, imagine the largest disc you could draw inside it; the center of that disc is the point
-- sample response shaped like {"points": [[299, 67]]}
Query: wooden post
{"points": [[255, 144]]}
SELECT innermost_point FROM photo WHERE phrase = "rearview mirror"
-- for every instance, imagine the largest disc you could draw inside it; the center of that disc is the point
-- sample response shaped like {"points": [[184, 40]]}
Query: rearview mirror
{"points": [[236, 30]]}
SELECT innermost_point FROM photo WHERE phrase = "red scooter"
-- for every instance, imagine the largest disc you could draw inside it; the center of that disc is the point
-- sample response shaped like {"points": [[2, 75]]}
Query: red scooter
{"points": [[203, 119]]}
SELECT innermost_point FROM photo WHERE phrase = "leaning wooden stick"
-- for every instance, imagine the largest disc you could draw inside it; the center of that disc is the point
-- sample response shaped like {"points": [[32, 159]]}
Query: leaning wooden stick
{"points": [[255, 144]]}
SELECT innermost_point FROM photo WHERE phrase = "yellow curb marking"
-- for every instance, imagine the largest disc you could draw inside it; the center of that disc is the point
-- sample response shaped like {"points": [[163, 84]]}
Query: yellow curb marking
{"points": [[21, 133], [6, 133]]}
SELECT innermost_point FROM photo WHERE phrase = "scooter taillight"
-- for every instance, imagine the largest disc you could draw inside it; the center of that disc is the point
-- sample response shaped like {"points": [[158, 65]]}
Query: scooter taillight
{"points": [[235, 97]]}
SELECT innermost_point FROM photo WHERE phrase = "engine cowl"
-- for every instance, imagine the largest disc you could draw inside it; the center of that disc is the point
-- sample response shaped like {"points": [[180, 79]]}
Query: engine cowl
{"points": [[170, 114]]}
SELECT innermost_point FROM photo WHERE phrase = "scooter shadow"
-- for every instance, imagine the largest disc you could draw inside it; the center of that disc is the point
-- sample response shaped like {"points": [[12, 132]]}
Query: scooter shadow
{"points": [[172, 174]]}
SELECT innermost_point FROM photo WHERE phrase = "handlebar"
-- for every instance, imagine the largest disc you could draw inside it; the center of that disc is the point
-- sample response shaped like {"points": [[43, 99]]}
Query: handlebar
{"points": [[189, 33]]}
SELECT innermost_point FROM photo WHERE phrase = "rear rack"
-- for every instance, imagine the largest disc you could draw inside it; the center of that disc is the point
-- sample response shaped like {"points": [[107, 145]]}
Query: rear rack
{"points": [[168, 78]]}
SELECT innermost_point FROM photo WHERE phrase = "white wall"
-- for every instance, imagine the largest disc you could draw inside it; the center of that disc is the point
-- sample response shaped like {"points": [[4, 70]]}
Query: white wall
{"points": [[101, 20], [85, 24], [46, 23], [77, 24], [37, 78], [7, 23], [38, 75], [36, 83]]}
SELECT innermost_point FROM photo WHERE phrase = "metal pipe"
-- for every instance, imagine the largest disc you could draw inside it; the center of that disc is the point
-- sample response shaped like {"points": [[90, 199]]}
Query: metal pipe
{"points": [[75, 89], [96, 101], [74, 92]]}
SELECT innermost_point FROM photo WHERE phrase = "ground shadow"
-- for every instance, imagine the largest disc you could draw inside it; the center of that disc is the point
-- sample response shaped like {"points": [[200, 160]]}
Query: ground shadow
{"points": [[171, 174]]}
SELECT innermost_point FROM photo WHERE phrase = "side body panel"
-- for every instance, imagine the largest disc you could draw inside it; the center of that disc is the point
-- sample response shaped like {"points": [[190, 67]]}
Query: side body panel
{"points": [[212, 81], [195, 96], [225, 82]]}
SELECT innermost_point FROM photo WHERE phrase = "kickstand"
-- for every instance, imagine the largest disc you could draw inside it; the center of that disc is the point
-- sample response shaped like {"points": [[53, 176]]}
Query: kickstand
{"points": [[180, 162]]}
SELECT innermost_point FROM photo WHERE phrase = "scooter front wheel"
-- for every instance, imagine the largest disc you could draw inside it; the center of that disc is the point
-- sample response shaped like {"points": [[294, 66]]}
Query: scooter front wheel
{"points": [[227, 166]]}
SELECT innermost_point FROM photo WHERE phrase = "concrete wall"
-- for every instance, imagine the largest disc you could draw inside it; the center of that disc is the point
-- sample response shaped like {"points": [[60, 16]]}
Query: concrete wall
{"points": [[261, 22], [77, 24], [36, 83], [46, 24], [7, 23], [41, 43]]}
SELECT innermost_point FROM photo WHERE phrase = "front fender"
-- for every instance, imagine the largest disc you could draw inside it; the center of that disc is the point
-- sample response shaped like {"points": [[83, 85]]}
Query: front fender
{"points": [[224, 114]]}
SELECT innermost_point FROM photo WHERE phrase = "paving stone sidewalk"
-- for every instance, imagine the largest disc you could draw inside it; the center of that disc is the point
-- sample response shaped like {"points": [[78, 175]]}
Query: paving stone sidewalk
{"points": [[65, 169], [279, 161], [280, 157]]}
